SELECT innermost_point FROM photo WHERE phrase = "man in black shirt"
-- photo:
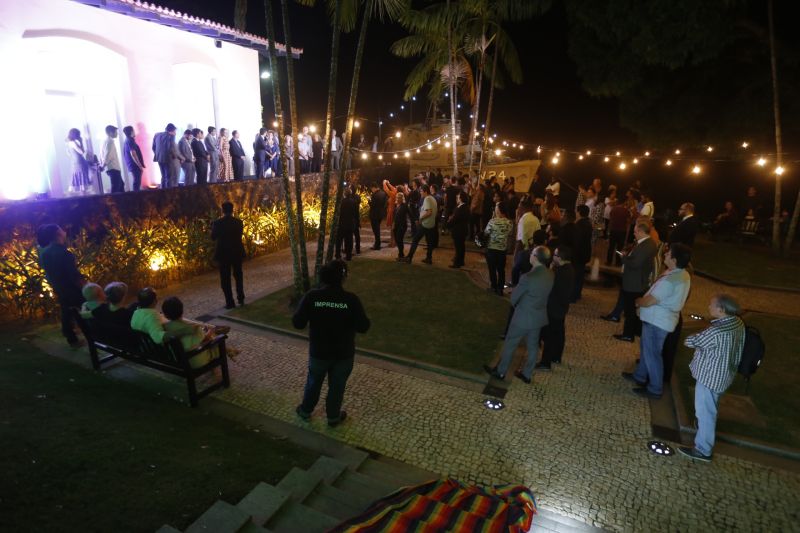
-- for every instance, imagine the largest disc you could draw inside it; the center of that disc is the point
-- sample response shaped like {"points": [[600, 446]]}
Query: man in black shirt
{"points": [[63, 276], [348, 218], [377, 210], [335, 316], [582, 248], [229, 253], [553, 334], [450, 198]]}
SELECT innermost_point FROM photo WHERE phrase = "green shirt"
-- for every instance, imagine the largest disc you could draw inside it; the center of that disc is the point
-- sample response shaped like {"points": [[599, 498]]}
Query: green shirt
{"points": [[428, 204]]}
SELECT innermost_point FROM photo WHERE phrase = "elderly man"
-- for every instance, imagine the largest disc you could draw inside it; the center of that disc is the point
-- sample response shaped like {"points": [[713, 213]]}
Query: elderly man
{"points": [[659, 310], [686, 230], [529, 299], [637, 266], [717, 353], [165, 154]]}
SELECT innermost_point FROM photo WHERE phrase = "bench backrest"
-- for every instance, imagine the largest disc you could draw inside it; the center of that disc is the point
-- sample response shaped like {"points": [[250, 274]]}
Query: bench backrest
{"points": [[749, 227]]}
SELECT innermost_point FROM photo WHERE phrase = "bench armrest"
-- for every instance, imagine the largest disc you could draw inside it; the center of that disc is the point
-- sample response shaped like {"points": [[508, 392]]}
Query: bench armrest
{"points": [[216, 341]]}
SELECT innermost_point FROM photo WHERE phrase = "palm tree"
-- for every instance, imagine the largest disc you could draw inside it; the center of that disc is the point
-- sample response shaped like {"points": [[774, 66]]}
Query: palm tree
{"points": [[370, 9], [298, 182], [240, 15], [287, 194]]}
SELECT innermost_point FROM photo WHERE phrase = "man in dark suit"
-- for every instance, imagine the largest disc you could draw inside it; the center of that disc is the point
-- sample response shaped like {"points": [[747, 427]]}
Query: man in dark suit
{"points": [[260, 148], [200, 157], [530, 315], [582, 248], [553, 334], [686, 230], [377, 210], [227, 232], [458, 224], [637, 266], [348, 217], [163, 155], [238, 156]]}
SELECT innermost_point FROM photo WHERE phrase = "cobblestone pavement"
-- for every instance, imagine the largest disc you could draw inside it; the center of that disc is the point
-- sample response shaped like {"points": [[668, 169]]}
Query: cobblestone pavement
{"points": [[576, 436]]}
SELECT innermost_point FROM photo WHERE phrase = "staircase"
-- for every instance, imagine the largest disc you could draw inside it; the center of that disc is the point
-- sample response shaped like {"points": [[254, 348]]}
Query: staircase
{"points": [[330, 491]]}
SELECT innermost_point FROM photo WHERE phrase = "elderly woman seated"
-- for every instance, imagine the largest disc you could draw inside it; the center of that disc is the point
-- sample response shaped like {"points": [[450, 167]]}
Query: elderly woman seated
{"points": [[94, 298], [112, 311]]}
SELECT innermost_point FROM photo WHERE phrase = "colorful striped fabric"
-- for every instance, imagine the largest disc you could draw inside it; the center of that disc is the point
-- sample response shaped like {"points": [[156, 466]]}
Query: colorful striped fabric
{"points": [[447, 505]]}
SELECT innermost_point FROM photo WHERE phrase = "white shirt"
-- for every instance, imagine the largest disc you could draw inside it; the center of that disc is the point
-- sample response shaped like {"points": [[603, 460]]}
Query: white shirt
{"points": [[333, 143], [109, 156], [554, 188], [648, 210]]}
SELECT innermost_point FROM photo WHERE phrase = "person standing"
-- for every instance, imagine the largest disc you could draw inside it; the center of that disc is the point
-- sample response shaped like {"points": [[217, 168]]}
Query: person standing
{"points": [[229, 253], [377, 209], [188, 163], [273, 154], [458, 224], [335, 316], [80, 166], [426, 228], [212, 147], [554, 334], [132, 155], [348, 215], [357, 228], [200, 157], [260, 153], [400, 223], [617, 232], [164, 154], [659, 309], [336, 151], [391, 203], [304, 152], [110, 160], [637, 266], [238, 157], [717, 353], [62, 274], [686, 230], [317, 151], [498, 229], [582, 248], [289, 147], [527, 225], [225, 158], [476, 211], [530, 315]]}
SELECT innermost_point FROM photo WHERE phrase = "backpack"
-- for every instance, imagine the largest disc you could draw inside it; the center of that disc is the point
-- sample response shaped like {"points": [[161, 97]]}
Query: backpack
{"points": [[752, 352]]}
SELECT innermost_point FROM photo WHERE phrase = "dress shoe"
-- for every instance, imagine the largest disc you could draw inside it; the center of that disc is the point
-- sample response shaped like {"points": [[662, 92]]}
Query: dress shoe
{"points": [[629, 377], [333, 422], [521, 376], [623, 338], [644, 393], [610, 318], [302, 414], [230, 305]]}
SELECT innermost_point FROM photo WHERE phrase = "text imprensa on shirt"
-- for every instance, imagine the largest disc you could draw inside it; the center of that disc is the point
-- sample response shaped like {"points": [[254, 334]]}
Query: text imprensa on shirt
{"points": [[335, 316]]}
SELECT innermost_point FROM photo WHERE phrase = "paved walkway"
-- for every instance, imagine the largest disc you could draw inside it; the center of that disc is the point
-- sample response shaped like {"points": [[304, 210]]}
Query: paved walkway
{"points": [[576, 436]]}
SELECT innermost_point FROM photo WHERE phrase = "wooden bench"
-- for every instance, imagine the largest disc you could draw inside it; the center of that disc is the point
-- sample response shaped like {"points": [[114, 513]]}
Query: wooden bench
{"points": [[750, 228], [138, 347]]}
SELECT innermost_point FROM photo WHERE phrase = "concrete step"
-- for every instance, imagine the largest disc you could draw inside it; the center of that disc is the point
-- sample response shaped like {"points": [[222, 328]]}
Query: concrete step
{"points": [[250, 527], [393, 472], [168, 529], [299, 483], [221, 517], [352, 457], [262, 502], [364, 486], [328, 469], [295, 517], [336, 503]]}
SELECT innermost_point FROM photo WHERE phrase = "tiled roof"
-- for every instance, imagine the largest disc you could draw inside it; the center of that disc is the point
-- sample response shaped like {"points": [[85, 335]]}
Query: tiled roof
{"points": [[183, 21]]}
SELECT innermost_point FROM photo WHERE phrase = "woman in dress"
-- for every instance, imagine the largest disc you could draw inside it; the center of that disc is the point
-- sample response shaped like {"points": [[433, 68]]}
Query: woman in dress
{"points": [[391, 192], [80, 166], [399, 222], [316, 150], [226, 161], [289, 147], [273, 153]]}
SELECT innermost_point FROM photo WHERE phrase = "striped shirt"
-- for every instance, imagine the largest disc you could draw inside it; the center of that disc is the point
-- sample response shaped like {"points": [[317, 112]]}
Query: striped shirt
{"points": [[717, 352]]}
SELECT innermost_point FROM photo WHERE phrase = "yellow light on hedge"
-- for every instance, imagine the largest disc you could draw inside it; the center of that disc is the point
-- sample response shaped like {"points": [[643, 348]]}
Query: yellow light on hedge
{"points": [[669, 162], [157, 261], [761, 162], [696, 169], [779, 171], [364, 156]]}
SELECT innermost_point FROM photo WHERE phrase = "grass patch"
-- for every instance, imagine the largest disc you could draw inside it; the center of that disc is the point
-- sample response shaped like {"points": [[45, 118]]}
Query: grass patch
{"points": [[746, 264], [774, 389], [428, 314], [84, 453]]}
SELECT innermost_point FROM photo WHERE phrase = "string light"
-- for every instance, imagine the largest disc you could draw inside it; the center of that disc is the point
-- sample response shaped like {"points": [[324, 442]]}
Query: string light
{"points": [[668, 162], [447, 144], [606, 159], [761, 162], [623, 166], [635, 161], [521, 147], [417, 150], [395, 156], [677, 152], [588, 152], [380, 156], [538, 149], [696, 169], [580, 157], [498, 152], [356, 124], [745, 144], [647, 154], [312, 128], [710, 149], [779, 171], [398, 134], [555, 160], [619, 153], [274, 123], [364, 155]]}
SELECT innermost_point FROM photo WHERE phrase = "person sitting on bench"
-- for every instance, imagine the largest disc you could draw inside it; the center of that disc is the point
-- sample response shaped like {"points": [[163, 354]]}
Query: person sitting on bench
{"points": [[94, 296], [112, 311], [192, 334]]}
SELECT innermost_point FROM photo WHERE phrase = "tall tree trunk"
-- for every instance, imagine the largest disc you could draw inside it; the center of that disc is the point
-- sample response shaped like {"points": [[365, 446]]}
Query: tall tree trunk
{"points": [[287, 193], [240, 15], [298, 182], [451, 81], [326, 179], [351, 114], [476, 109], [488, 114]]}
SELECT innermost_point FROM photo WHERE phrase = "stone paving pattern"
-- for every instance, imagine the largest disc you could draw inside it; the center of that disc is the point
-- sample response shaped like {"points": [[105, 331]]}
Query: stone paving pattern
{"points": [[577, 436]]}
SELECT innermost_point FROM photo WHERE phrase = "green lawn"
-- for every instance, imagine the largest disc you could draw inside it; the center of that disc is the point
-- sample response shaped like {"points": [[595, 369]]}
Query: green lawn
{"points": [[420, 312], [748, 264], [84, 453], [774, 389]]}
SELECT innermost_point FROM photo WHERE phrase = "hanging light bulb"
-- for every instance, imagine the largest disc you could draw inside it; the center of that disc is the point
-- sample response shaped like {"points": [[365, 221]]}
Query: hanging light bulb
{"points": [[696, 169], [623, 166], [417, 150], [380, 156], [779, 171], [710, 149], [678, 152], [514, 145], [407, 154], [521, 147], [274, 123], [538, 149], [398, 134], [364, 155], [430, 147], [580, 157], [635, 161], [606, 159], [356, 124], [498, 152], [619, 153], [647, 154], [745, 144], [588, 152], [669, 162], [555, 160], [447, 144], [761, 162], [395, 156]]}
